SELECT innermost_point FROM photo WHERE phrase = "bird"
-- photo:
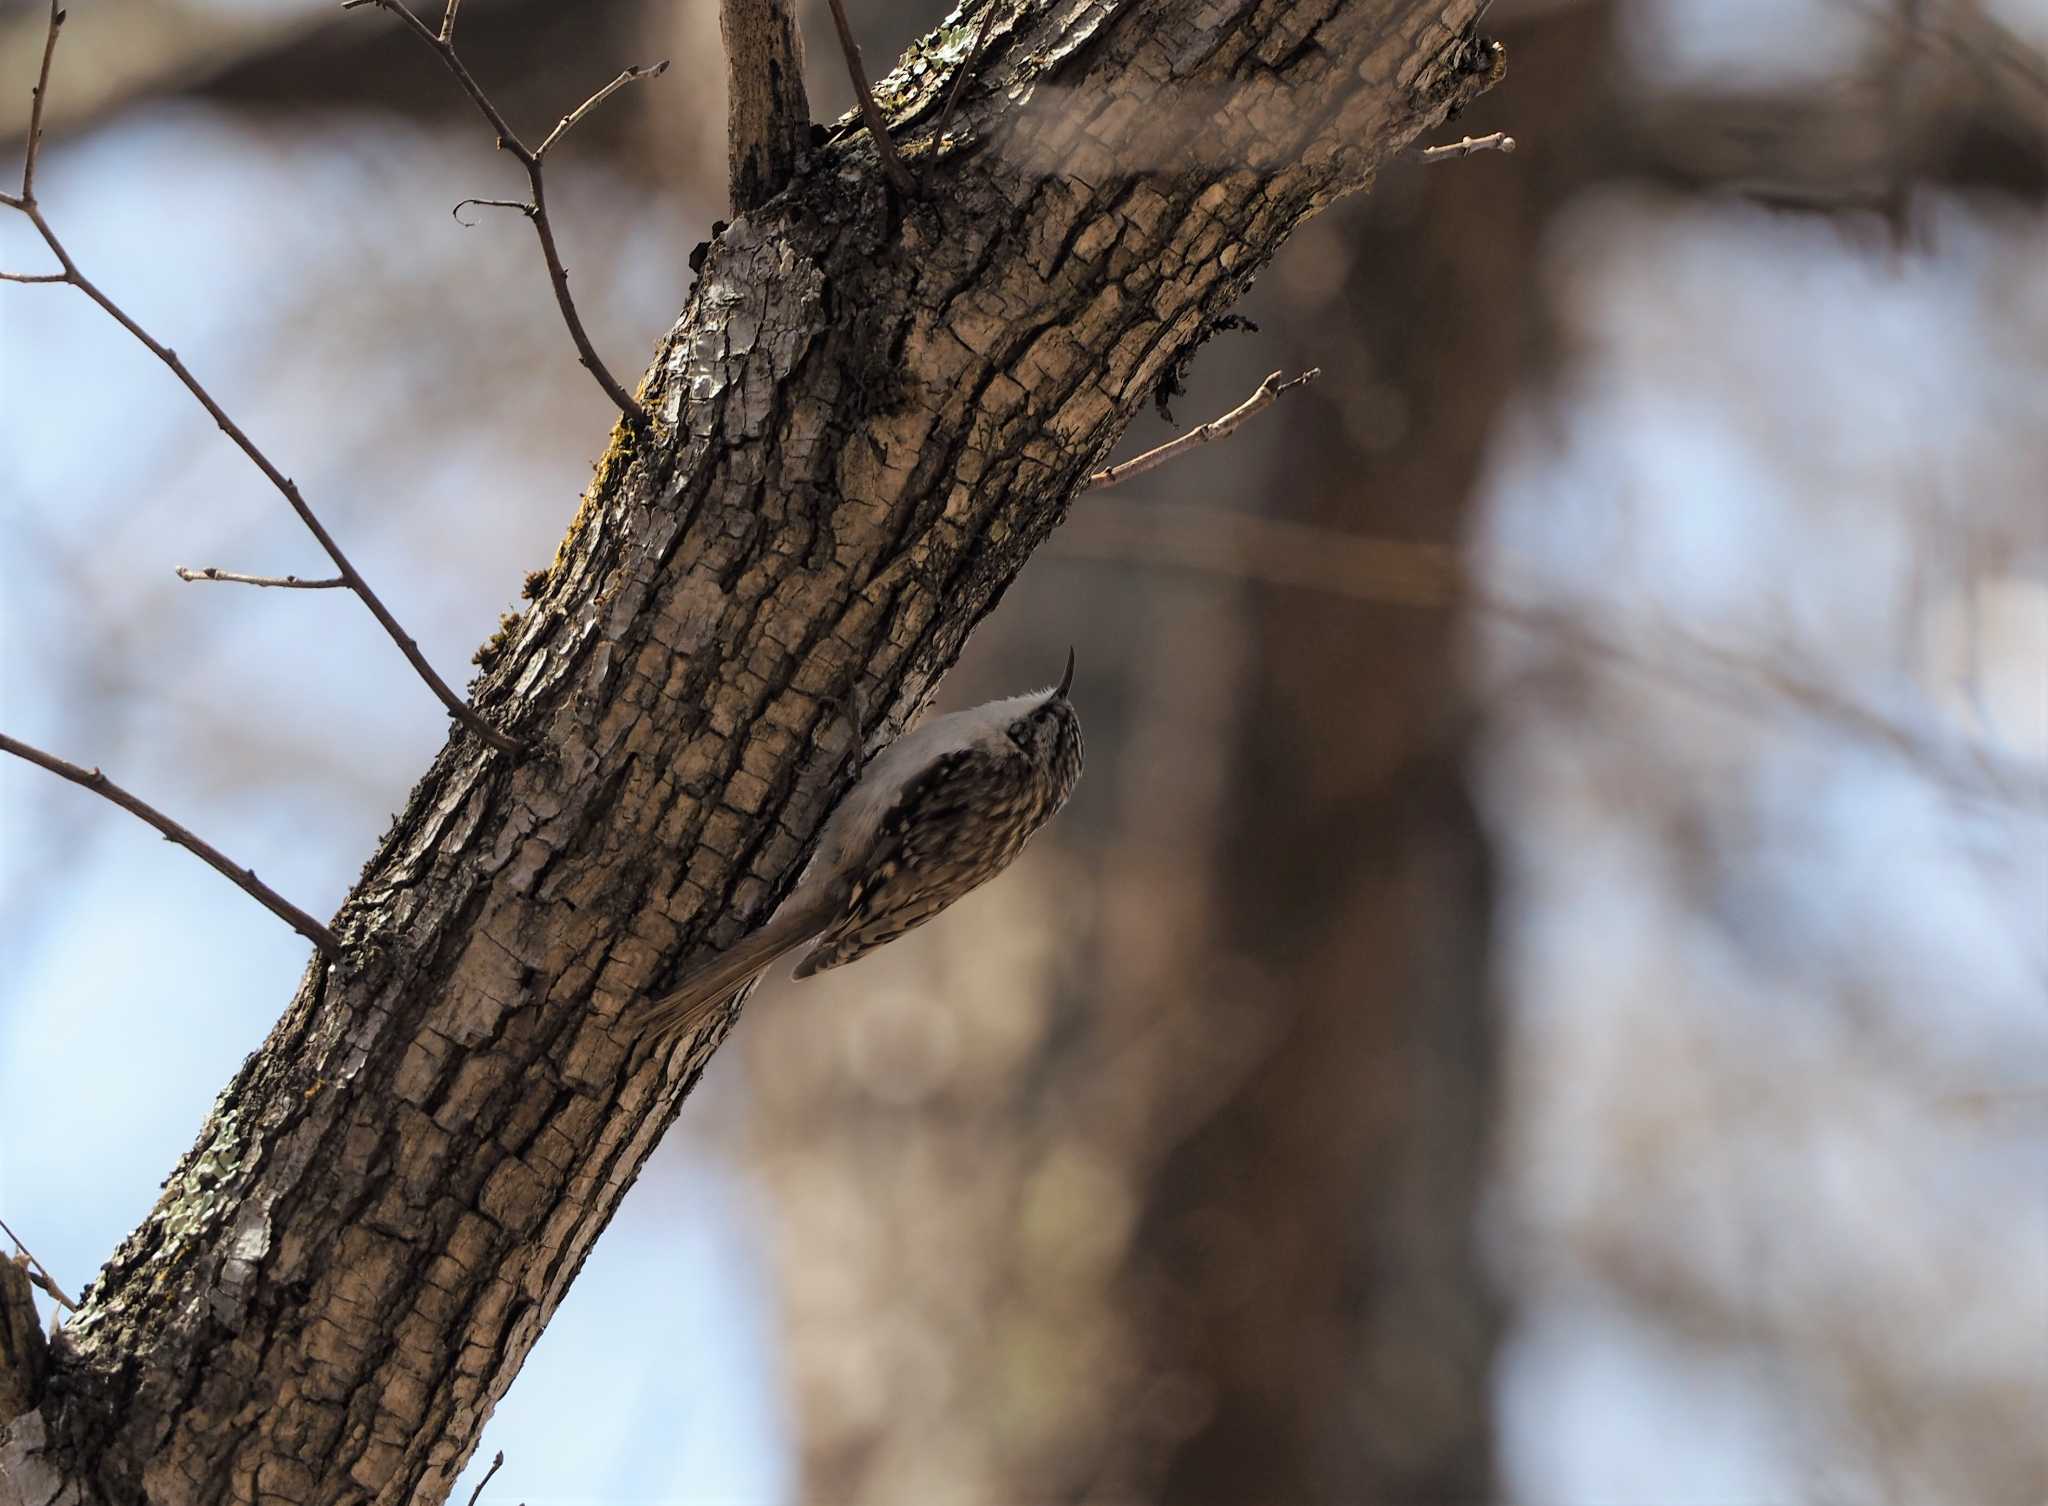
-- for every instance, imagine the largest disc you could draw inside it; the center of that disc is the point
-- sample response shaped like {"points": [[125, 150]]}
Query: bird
{"points": [[940, 811]]}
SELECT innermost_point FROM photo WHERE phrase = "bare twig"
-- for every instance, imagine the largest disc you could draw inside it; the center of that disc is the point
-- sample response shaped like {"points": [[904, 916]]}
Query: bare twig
{"points": [[34, 146], [33, 277], [988, 17], [27, 205], [537, 209], [1499, 141], [40, 1274], [892, 165], [497, 1464], [292, 582], [1217, 428], [448, 20], [92, 779], [461, 204], [626, 76]]}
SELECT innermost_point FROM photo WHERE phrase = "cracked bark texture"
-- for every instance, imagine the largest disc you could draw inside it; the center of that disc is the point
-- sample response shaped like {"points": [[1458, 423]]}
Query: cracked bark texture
{"points": [[871, 412]]}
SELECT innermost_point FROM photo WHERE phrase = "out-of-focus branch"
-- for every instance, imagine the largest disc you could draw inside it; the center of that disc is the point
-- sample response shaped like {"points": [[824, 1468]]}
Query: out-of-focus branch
{"points": [[40, 1273], [289, 582], [245, 879], [1269, 551], [26, 204], [1499, 141], [536, 209], [1216, 428], [1302, 556], [892, 165], [768, 119]]}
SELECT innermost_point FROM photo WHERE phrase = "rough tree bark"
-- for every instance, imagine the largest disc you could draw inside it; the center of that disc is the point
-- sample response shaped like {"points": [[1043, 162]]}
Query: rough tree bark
{"points": [[768, 113], [871, 411]]}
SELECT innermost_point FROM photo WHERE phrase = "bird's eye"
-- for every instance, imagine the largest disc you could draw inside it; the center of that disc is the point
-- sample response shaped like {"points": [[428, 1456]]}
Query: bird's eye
{"points": [[1020, 733]]}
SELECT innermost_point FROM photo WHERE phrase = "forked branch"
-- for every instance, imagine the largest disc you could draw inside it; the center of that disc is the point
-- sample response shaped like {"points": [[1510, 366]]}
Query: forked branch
{"points": [[536, 208], [25, 202]]}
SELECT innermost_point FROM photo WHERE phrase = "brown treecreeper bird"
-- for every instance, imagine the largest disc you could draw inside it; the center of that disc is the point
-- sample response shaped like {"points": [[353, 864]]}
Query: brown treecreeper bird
{"points": [[940, 811]]}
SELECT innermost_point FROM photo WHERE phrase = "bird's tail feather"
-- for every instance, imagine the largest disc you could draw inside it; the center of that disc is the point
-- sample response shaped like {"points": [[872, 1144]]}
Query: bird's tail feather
{"points": [[692, 1003]]}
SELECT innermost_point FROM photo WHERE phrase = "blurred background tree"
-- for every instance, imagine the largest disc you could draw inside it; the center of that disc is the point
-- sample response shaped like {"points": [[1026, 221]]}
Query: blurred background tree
{"points": [[1583, 1042]]}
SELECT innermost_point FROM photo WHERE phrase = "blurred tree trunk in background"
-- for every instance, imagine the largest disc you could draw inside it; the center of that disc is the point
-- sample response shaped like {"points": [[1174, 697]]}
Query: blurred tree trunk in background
{"points": [[1202, 1226], [1318, 1232]]}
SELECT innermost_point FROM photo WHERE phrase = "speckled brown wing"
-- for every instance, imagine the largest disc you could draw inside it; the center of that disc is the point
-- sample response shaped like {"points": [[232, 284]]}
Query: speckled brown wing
{"points": [[956, 826]]}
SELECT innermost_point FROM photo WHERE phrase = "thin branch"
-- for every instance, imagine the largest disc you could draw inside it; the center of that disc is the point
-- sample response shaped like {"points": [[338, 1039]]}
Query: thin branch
{"points": [[35, 108], [1499, 141], [457, 707], [519, 204], [1269, 551], [537, 210], [41, 1274], [892, 165], [292, 582], [1217, 428], [34, 276], [448, 20], [988, 17], [497, 1463], [628, 76], [1302, 556], [92, 779]]}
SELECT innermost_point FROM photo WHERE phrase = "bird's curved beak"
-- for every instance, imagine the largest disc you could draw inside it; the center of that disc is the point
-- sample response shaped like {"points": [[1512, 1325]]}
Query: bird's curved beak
{"points": [[1067, 679]]}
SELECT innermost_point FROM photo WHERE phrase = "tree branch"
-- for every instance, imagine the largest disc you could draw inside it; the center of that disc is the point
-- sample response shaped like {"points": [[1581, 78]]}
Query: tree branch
{"points": [[568, 122], [1499, 141], [536, 210], [497, 1463], [243, 878], [768, 114], [37, 98], [878, 418], [26, 204], [1268, 393], [292, 582], [878, 126], [1389, 572], [41, 1273]]}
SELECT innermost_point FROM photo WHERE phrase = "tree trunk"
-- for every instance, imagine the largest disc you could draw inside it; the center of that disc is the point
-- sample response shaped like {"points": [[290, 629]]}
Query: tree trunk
{"points": [[1320, 1232], [871, 412]]}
